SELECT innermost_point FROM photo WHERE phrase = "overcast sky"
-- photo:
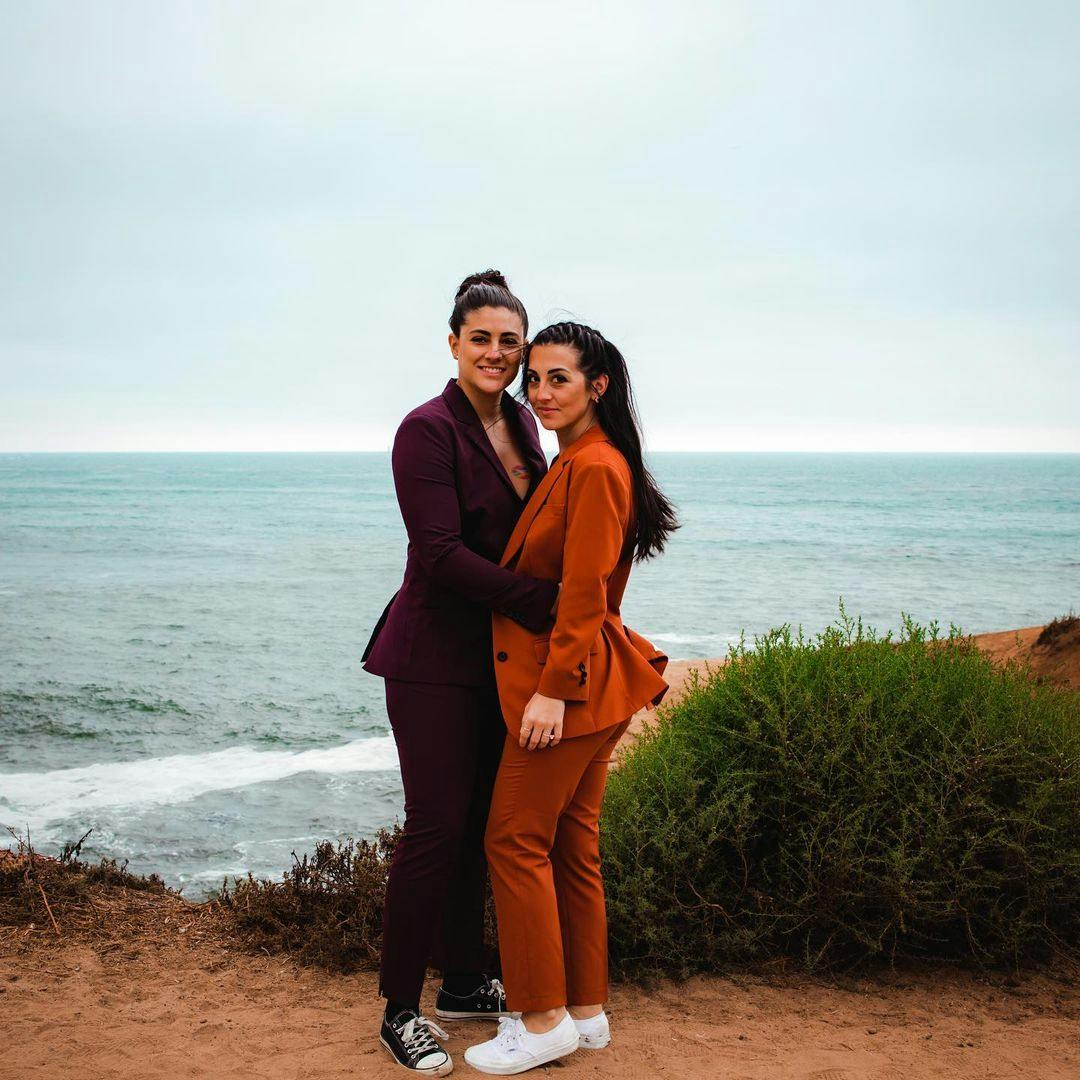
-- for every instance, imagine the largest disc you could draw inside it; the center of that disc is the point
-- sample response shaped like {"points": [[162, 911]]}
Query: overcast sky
{"points": [[808, 225]]}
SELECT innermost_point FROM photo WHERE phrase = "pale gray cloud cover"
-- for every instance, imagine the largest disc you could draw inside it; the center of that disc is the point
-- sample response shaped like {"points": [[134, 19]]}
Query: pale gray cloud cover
{"points": [[809, 225]]}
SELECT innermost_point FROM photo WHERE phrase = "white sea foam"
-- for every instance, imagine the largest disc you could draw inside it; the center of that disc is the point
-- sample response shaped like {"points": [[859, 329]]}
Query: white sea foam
{"points": [[39, 798], [694, 639], [215, 876]]}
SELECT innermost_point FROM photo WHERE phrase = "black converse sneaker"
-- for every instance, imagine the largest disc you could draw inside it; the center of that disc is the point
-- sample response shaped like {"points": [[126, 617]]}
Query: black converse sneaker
{"points": [[487, 1002], [410, 1037]]}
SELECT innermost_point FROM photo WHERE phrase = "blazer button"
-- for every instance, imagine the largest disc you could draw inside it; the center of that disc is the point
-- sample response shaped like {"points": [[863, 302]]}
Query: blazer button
{"points": [[501, 656]]}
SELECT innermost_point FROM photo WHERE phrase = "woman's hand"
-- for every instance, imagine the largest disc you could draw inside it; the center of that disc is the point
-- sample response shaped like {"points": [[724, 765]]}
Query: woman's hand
{"points": [[541, 723]]}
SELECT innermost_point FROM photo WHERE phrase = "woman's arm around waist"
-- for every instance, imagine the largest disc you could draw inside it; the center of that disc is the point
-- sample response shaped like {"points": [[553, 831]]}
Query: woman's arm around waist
{"points": [[424, 479]]}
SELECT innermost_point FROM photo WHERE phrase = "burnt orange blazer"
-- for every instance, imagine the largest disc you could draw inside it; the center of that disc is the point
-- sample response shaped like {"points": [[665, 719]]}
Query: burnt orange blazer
{"points": [[575, 529]]}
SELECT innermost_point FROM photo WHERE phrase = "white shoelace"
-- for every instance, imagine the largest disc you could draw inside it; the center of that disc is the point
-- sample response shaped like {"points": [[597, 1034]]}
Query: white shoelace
{"points": [[418, 1036], [495, 988], [510, 1034]]}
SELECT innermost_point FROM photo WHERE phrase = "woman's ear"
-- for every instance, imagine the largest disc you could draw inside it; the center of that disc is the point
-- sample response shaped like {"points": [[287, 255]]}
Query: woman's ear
{"points": [[599, 386], [453, 339]]}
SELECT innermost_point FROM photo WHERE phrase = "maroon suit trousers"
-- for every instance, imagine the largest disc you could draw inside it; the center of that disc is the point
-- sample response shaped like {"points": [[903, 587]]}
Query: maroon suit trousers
{"points": [[449, 741]]}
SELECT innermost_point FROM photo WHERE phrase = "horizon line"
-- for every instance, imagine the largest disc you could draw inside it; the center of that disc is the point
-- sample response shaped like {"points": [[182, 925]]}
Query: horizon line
{"points": [[649, 450]]}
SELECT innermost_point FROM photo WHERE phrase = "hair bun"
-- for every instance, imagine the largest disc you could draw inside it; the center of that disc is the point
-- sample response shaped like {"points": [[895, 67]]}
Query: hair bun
{"points": [[485, 277]]}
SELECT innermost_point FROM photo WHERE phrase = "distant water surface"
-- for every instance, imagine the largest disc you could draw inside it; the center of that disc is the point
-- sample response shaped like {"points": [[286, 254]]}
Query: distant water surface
{"points": [[180, 634]]}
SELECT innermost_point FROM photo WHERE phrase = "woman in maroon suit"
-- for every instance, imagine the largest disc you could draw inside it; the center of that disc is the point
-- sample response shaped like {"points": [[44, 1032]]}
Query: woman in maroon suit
{"points": [[465, 464]]}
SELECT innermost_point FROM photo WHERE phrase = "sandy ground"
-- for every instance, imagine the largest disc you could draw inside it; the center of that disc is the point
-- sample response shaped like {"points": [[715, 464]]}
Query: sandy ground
{"points": [[168, 995], [1056, 660], [178, 1011]]}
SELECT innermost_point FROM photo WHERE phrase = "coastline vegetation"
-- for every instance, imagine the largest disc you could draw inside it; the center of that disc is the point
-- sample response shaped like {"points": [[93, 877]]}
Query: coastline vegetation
{"points": [[63, 895], [838, 801], [1057, 629], [326, 909], [847, 799], [24, 875]]}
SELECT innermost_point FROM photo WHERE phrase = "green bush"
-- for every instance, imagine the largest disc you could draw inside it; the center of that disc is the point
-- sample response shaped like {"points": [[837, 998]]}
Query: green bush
{"points": [[848, 798]]}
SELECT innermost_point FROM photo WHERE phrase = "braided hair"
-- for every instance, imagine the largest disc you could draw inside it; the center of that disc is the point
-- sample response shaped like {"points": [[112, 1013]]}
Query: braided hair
{"points": [[486, 289], [654, 518]]}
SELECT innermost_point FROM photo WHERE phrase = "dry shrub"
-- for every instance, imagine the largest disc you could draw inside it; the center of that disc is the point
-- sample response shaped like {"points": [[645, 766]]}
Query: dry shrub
{"points": [[327, 909], [1054, 631], [38, 889], [46, 901]]}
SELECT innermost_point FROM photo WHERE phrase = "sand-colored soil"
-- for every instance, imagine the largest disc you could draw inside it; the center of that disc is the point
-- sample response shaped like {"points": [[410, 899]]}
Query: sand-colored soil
{"points": [[156, 988], [1055, 659], [170, 1010]]}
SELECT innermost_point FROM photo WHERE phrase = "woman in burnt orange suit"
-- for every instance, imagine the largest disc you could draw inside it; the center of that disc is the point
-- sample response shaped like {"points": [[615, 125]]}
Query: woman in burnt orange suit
{"points": [[567, 697]]}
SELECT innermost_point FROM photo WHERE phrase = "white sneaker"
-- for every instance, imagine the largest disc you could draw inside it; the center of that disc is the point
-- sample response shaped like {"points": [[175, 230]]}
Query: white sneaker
{"points": [[594, 1033], [516, 1049]]}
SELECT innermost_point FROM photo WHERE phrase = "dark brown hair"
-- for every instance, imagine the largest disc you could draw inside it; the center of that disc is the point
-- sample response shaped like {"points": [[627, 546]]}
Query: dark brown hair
{"points": [[654, 516], [486, 289]]}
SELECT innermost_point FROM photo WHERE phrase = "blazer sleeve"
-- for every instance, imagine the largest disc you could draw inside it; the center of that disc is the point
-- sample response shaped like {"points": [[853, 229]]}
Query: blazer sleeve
{"points": [[424, 479], [598, 508]]}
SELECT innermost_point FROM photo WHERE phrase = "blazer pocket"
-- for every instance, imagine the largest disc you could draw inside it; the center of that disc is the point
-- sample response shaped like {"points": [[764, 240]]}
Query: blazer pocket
{"points": [[548, 516]]}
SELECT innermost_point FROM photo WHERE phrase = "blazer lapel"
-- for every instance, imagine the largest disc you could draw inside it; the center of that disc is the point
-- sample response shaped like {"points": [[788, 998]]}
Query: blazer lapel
{"points": [[527, 441], [543, 490], [478, 436], [539, 497], [462, 408]]}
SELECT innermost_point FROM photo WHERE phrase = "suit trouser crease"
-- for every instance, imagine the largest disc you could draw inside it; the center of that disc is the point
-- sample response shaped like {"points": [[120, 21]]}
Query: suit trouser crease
{"points": [[544, 856], [449, 739]]}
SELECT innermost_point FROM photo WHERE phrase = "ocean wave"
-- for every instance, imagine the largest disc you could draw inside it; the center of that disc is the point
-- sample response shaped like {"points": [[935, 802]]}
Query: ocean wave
{"points": [[92, 698], [215, 876], [718, 640], [36, 799]]}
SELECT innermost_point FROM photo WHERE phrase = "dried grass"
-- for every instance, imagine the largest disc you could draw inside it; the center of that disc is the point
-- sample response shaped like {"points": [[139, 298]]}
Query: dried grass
{"points": [[48, 901], [1054, 632]]}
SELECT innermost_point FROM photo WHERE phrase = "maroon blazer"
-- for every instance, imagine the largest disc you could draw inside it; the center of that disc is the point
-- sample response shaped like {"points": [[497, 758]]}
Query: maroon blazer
{"points": [[459, 509]]}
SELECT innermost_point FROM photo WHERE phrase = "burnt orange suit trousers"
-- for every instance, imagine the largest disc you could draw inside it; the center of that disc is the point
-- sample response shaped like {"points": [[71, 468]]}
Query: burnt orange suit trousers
{"points": [[543, 850]]}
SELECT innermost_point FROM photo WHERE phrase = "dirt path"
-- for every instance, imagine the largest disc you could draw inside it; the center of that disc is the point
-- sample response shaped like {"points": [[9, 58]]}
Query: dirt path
{"points": [[177, 1010]]}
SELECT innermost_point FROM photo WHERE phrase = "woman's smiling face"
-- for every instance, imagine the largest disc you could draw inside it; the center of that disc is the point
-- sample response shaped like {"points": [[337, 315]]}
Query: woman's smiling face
{"points": [[559, 393], [488, 350]]}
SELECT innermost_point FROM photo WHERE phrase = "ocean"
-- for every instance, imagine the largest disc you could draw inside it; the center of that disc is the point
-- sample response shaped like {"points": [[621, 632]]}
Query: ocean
{"points": [[180, 634]]}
